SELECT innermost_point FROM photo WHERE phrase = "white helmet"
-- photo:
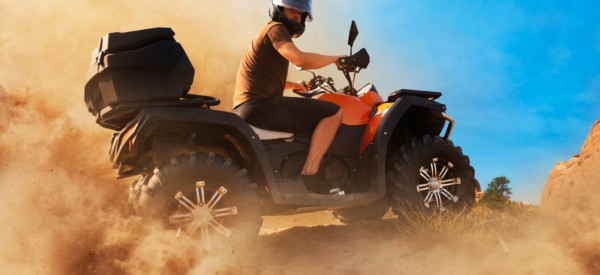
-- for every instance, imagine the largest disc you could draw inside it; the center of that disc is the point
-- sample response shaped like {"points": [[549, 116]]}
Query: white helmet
{"points": [[276, 13], [303, 6]]}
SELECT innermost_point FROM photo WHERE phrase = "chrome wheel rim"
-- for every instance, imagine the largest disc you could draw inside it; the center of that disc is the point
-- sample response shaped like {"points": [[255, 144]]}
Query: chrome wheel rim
{"points": [[437, 179], [202, 215]]}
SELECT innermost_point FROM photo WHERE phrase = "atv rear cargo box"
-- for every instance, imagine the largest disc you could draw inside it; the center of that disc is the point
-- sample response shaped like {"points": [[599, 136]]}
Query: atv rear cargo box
{"points": [[134, 67]]}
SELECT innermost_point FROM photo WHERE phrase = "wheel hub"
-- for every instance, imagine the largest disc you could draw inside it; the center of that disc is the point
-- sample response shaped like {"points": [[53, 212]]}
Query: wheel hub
{"points": [[436, 183], [202, 214]]}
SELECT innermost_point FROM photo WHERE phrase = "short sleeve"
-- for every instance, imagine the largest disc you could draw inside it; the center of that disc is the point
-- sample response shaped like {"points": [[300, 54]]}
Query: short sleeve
{"points": [[278, 35]]}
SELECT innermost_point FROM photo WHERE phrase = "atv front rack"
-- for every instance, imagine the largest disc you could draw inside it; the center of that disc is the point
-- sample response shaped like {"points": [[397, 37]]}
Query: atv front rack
{"points": [[450, 125]]}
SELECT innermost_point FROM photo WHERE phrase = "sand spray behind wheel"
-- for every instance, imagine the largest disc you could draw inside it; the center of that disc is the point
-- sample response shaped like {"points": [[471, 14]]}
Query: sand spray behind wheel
{"points": [[62, 211], [60, 206]]}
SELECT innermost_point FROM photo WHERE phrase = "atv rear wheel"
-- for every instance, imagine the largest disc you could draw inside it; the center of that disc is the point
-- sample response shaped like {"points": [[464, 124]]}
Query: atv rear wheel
{"points": [[202, 195], [373, 211], [430, 173]]}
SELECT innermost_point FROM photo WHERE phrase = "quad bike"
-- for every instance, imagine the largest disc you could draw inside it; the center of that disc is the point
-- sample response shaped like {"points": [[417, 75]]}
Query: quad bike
{"points": [[209, 173]]}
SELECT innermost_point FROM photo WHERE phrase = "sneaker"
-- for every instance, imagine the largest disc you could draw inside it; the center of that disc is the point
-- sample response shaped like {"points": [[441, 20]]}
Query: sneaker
{"points": [[337, 191], [315, 183]]}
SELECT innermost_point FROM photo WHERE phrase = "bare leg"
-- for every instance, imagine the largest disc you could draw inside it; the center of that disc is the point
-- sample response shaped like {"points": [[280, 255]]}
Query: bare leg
{"points": [[319, 143]]}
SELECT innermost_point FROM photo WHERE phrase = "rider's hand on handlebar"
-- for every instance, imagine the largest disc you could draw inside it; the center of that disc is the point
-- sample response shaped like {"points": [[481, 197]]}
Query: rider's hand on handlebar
{"points": [[300, 87], [339, 63]]}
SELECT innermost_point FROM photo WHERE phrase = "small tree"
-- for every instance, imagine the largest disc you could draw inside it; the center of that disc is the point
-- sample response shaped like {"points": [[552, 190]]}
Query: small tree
{"points": [[497, 195]]}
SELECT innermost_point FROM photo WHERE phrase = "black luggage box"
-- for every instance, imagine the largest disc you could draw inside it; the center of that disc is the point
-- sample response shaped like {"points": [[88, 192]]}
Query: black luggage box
{"points": [[139, 66]]}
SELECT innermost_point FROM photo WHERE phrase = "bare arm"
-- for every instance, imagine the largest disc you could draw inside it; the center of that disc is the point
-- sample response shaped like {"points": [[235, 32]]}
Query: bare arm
{"points": [[306, 60]]}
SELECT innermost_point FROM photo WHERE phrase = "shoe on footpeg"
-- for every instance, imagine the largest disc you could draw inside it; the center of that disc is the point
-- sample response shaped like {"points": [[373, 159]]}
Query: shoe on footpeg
{"points": [[315, 183], [337, 191]]}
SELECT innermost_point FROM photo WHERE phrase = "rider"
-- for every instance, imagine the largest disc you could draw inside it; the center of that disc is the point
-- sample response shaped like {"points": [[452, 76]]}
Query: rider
{"points": [[262, 78]]}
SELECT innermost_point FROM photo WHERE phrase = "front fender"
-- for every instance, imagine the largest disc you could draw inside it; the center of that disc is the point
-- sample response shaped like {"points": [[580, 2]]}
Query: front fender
{"points": [[390, 124]]}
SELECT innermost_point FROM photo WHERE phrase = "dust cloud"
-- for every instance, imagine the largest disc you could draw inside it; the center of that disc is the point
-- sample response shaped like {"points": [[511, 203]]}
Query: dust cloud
{"points": [[62, 211]]}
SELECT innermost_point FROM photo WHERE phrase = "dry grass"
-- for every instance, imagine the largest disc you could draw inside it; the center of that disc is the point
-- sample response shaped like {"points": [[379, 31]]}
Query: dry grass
{"points": [[480, 219], [569, 240]]}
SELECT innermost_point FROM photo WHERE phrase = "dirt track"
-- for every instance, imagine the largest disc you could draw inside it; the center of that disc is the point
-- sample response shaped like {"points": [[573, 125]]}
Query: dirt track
{"points": [[316, 243]]}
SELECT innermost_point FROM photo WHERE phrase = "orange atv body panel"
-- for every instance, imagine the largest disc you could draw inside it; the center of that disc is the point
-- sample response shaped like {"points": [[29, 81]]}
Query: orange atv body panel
{"points": [[368, 96], [357, 110], [373, 125]]}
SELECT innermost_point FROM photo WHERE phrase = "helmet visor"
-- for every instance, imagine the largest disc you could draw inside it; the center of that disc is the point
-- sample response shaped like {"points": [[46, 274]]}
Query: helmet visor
{"points": [[299, 5]]}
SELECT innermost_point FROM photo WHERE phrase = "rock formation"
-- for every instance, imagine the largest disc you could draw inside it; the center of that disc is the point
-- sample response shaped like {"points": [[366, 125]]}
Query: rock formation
{"points": [[574, 183]]}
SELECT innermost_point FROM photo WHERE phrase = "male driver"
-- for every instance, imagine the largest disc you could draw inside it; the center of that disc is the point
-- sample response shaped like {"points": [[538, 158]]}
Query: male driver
{"points": [[262, 78]]}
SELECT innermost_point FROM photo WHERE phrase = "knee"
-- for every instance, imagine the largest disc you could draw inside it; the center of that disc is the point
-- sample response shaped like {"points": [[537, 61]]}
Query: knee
{"points": [[339, 115], [334, 117]]}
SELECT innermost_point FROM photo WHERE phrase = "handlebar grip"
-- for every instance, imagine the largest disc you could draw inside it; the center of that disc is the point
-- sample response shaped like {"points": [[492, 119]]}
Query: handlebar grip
{"points": [[360, 59], [343, 61], [297, 91]]}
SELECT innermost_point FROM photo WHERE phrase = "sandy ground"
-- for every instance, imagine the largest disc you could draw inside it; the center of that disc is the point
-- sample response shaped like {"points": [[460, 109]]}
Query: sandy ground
{"points": [[319, 243], [316, 243]]}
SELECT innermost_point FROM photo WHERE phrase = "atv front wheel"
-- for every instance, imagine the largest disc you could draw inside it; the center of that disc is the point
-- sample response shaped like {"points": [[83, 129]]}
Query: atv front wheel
{"points": [[373, 211], [430, 173], [202, 195]]}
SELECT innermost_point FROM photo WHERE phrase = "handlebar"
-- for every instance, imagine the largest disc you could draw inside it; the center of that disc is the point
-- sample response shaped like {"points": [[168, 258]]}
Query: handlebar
{"points": [[359, 60], [317, 85], [351, 64]]}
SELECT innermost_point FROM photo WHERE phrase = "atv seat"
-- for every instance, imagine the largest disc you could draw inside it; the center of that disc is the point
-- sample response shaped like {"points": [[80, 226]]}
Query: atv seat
{"points": [[264, 134]]}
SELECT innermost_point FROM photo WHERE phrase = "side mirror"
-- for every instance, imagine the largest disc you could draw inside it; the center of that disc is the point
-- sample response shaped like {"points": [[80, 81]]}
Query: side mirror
{"points": [[353, 34]]}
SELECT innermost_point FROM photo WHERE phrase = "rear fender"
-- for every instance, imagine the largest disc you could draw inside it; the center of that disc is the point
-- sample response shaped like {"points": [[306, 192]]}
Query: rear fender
{"points": [[158, 133]]}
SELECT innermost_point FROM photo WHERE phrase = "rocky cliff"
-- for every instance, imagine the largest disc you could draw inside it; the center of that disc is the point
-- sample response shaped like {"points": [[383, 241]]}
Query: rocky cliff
{"points": [[574, 183]]}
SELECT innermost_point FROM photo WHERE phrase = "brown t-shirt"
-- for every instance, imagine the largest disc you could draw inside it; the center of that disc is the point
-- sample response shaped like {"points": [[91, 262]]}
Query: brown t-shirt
{"points": [[263, 71]]}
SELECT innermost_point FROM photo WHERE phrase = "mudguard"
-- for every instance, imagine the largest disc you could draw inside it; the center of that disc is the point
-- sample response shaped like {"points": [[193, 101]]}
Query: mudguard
{"points": [[390, 118], [177, 124]]}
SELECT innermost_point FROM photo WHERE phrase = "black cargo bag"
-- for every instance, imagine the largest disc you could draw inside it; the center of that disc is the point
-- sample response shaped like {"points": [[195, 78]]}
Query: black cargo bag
{"points": [[135, 67]]}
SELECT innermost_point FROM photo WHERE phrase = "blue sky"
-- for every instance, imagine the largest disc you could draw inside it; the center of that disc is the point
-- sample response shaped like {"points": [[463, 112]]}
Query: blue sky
{"points": [[521, 79]]}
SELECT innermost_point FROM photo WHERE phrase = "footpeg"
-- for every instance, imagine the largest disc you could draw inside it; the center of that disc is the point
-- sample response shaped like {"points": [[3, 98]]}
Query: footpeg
{"points": [[337, 191]]}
